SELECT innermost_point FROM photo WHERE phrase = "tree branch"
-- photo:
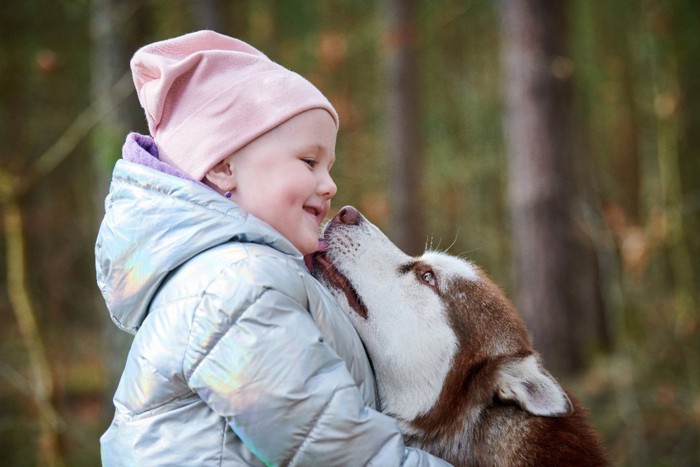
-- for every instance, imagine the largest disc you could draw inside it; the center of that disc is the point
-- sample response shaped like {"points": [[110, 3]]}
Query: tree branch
{"points": [[74, 134], [42, 380]]}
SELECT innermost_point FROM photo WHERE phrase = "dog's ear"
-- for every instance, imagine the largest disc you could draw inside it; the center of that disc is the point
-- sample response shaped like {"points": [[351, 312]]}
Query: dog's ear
{"points": [[523, 380]]}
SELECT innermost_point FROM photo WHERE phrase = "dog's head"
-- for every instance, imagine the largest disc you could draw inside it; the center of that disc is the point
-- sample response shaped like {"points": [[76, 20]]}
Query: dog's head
{"points": [[429, 322]]}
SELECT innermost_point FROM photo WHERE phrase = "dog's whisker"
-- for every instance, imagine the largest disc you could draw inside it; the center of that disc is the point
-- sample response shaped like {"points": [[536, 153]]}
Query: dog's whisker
{"points": [[447, 250], [429, 243], [466, 252]]}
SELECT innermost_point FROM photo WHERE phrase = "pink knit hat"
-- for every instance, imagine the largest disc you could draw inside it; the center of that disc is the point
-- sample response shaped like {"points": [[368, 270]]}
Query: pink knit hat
{"points": [[207, 95]]}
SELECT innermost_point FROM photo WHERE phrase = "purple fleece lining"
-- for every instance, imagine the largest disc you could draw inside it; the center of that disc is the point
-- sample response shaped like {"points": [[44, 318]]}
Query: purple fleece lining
{"points": [[141, 149]]}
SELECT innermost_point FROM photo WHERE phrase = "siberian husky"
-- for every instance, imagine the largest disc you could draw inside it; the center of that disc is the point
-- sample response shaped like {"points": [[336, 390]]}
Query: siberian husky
{"points": [[452, 358]]}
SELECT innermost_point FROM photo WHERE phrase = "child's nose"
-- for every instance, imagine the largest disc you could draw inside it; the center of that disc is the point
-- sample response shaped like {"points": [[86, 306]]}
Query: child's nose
{"points": [[327, 187]]}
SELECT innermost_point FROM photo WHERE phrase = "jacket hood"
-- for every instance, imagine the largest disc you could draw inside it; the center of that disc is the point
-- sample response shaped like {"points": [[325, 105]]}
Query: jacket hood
{"points": [[157, 218]]}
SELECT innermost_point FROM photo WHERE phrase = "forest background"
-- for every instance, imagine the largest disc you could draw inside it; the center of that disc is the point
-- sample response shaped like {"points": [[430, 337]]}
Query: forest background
{"points": [[438, 87]]}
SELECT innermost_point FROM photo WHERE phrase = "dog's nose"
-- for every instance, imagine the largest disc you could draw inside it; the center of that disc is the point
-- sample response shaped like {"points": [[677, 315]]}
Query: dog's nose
{"points": [[347, 215]]}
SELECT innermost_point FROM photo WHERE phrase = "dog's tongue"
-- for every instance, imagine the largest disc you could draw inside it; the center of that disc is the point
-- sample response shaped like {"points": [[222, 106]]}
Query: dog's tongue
{"points": [[309, 259]]}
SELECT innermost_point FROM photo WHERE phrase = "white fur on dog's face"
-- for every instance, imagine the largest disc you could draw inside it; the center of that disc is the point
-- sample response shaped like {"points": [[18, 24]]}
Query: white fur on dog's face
{"points": [[410, 340]]}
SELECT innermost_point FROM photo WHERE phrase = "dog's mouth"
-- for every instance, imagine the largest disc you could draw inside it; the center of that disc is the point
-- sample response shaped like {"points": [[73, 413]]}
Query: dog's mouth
{"points": [[336, 279]]}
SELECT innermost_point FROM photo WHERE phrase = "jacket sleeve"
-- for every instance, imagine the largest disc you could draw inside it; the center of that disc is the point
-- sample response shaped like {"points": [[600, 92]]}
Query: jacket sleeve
{"points": [[256, 358]]}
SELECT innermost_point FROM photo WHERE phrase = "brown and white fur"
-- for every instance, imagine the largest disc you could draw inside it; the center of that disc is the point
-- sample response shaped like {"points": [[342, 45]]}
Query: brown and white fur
{"points": [[452, 357]]}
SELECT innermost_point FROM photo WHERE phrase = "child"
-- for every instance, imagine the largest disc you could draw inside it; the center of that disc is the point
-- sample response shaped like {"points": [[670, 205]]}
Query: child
{"points": [[240, 357]]}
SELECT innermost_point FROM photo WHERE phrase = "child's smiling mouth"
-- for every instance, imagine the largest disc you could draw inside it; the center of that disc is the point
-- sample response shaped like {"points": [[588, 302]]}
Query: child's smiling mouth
{"points": [[317, 213]]}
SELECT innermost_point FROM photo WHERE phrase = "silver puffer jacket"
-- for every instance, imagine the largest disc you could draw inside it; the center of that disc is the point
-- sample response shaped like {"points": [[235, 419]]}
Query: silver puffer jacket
{"points": [[240, 356]]}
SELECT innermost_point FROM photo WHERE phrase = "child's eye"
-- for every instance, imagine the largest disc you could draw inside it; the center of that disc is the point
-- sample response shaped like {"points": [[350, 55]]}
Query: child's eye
{"points": [[310, 162]]}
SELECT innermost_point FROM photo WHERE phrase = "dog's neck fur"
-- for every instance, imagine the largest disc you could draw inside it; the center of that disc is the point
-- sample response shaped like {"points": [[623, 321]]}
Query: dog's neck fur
{"points": [[401, 391], [451, 427], [470, 423]]}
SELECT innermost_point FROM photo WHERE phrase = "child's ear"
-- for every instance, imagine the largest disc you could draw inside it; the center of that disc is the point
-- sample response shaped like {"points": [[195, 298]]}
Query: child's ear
{"points": [[222, 177]]}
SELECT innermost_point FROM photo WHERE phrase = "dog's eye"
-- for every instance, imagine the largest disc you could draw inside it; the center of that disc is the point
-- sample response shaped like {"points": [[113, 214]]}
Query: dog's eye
{"points": [[428, 277]]}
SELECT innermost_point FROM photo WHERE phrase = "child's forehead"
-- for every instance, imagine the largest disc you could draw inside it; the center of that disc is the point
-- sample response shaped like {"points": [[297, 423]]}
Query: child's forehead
{"points": [[312, 131]]}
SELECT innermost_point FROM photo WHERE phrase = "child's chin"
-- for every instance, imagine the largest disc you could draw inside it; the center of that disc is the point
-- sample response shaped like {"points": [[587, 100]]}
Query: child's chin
{"points": [[308, 251], [309, 247]]}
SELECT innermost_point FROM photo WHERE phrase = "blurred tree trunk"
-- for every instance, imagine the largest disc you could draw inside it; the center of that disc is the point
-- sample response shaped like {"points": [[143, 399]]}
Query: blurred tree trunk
{"points": [[403, 140], [208, 14], [48, 441], [684, 105], [557, 292], [113, 35]]}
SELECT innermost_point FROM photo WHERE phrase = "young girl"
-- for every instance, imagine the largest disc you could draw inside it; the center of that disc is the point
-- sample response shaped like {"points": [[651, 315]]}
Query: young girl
{"points": [[240, 357]]}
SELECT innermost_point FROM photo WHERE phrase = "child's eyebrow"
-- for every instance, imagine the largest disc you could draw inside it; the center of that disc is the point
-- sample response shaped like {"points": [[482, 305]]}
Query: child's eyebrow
{"points": [[317, 148]]}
